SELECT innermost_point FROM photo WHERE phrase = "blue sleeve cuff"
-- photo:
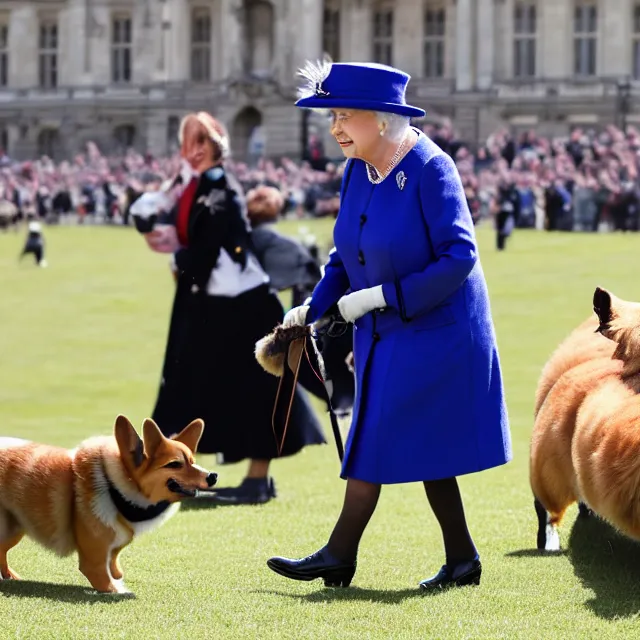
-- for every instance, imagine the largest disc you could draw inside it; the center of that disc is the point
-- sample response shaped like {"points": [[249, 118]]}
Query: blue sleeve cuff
{"points": [[394, 298]]}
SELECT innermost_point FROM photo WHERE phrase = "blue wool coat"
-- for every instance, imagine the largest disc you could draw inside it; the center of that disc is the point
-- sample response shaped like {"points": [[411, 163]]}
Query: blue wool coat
{"points": [[429, 395]]}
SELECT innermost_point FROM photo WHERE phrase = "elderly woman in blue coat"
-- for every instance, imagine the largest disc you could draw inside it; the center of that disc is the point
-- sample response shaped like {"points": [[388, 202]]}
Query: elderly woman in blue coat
{"points": [[405, 270]]}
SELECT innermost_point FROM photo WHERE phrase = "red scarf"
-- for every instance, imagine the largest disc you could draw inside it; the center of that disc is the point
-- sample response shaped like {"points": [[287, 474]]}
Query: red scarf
{"points": [[184, 211]]}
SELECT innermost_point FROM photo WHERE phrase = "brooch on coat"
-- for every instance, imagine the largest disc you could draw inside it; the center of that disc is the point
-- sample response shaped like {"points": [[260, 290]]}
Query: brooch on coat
{"points": [[212, 198], [401, 180]]}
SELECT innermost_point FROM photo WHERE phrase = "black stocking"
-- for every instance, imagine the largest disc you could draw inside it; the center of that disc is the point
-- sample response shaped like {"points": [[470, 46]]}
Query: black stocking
{"points": [[446, 502], [360, 502]]}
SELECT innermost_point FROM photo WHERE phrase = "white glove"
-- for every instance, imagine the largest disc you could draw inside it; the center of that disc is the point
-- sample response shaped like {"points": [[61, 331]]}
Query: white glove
{"points": [[296, 317], [150, 203], [356, 304]]}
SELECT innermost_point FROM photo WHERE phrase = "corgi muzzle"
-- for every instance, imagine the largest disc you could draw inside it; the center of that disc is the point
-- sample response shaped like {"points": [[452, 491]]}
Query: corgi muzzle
{"points": [[174, 486]]}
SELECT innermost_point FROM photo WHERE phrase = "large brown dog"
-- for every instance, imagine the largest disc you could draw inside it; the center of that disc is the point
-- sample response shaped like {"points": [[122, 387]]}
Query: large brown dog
{"points": [[584, 343], [585, 419]]}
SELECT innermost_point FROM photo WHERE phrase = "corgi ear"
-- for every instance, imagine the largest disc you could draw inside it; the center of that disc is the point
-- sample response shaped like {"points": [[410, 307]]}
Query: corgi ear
{"points": [[129, 443], [191, 434], [603, 303], [152, 437]]}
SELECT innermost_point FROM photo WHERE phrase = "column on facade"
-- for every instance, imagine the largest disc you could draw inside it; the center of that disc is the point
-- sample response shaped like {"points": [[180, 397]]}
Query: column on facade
{"points": [[163, 53], [308, 17], [146, 17], [286, 29], [231, 54], [464, 42], [615, 22], [99, 72], [72, 25], [219, 41], [485, 44], [408, 19], [23, 45], [359, 14], [555, 39], [236, 53], [177, 62], [502, 47]]}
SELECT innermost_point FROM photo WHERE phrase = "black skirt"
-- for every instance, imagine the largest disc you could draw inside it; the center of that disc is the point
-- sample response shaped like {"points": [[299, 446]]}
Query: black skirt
{"points": [[210, 372]]}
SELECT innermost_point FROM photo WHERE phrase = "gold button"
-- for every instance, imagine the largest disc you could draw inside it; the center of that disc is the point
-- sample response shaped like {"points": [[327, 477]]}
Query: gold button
{"points": [[238, 249]]}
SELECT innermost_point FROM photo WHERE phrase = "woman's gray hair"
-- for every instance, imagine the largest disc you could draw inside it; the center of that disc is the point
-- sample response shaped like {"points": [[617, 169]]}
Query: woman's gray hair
{"points": [[395, 125]]}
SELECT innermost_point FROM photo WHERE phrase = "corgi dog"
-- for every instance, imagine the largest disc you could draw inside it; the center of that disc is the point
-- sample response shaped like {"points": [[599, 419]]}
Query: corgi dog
{"points": [[585, 445], [583, 343], [97, 498]]}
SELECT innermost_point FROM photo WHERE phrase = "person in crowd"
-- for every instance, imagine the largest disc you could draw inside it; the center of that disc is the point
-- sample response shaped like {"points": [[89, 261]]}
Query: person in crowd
{"points": [[507, 207]]}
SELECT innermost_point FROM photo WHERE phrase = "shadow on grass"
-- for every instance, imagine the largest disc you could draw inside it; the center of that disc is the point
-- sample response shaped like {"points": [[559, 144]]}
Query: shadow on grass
{"points": [[198, 505], [58, 592], [351, 594], [204, 504], [535, 553], [608, 564]]}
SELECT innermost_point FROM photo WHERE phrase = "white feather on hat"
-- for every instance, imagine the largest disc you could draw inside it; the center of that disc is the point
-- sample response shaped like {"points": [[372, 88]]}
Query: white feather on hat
{"points": [[315, 73]]}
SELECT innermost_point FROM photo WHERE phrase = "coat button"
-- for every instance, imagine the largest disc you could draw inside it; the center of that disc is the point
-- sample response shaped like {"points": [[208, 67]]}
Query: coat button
{"points": [[376, 336], [363, 218], [361, 257], [195, 288]]}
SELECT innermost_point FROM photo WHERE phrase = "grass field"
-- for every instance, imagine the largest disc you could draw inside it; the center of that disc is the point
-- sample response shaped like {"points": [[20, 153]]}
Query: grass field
{"points": [[83, 341]]}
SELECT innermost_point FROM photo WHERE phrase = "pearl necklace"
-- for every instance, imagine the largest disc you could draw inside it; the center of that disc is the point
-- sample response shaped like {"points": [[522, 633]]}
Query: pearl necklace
{"points": [[375, 177]]}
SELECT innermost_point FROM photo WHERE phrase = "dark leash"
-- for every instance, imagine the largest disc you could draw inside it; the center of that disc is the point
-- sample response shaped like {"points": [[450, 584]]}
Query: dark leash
{"points": [[300, 350]]}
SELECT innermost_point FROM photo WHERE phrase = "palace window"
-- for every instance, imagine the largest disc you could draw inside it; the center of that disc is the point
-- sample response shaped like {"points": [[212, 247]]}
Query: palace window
{"points": [[585, 39], [434, 41], [201, 45], [121, 41], [383, 36], [524, 40], [48, 54]]}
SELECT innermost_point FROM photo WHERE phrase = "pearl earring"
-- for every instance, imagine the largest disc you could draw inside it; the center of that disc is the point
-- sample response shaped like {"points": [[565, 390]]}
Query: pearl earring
{"points": [[381, 132]]}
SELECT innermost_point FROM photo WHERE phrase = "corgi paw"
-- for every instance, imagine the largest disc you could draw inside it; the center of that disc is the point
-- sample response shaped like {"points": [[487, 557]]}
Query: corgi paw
{"points": [[552, 539], [120, 587], [115, 588], [7, 574]]}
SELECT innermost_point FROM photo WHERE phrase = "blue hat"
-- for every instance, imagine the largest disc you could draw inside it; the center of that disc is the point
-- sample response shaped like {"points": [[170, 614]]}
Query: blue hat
{"points": [[368, 86]]}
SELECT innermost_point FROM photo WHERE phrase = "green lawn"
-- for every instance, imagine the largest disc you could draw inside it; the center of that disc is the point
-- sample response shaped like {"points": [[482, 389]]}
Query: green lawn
{"points": [[83, 341]]}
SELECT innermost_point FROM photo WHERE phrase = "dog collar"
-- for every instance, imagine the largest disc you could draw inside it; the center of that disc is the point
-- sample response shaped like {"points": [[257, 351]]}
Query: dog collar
{"points": [[132, 512]]}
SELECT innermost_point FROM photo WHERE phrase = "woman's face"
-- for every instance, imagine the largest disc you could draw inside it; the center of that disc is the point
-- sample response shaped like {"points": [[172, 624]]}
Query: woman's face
{"points": [[197, 147], [357, 132]]}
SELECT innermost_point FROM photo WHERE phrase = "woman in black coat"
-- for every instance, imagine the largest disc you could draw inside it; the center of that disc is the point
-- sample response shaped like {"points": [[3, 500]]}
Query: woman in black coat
{"points": [[223, 304]]}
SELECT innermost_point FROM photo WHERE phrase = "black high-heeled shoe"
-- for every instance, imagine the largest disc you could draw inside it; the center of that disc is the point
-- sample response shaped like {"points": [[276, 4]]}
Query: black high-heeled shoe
{"points": [[460, 575], [318, 565]]}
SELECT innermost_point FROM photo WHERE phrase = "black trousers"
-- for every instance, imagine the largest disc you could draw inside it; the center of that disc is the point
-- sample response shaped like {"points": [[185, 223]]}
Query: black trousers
{"points": [[36, 251], [501, 236]]}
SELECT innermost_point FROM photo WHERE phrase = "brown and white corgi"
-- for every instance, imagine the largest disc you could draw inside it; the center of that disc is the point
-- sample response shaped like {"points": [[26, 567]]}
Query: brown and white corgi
{"points": [[585, 444], [95, 499]]}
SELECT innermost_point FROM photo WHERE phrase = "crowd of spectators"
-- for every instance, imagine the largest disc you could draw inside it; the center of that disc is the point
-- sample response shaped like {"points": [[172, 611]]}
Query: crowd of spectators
{"points": [[587, 181]]}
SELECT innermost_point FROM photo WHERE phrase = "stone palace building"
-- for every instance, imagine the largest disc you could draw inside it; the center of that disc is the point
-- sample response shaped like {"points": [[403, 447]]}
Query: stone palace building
{"points": [[123, 72]]}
